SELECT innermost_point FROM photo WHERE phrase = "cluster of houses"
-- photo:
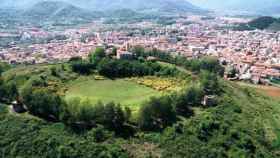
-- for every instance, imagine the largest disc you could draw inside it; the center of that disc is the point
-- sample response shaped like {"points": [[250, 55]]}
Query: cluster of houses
{"points": [[255, 55]]}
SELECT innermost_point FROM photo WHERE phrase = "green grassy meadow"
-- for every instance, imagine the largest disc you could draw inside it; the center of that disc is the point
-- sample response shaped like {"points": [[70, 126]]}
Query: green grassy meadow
{"points": [[120, 91]]}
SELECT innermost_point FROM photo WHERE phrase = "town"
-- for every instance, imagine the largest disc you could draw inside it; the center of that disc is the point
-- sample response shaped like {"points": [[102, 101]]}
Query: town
{"points": [[251, 55]]}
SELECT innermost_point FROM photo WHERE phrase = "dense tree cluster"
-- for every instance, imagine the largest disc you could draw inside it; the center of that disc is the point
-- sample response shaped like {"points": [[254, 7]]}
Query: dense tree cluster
{"points": [[42, 102], [140, 65], [210, 64], [83, 114], [189, 98], [8, 90], [32, 138], [157, 114], [113, 68], [124, 68], [210, 83], [82, 67]]}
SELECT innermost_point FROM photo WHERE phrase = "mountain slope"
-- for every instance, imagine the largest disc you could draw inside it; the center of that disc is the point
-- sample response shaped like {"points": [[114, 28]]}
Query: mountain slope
{"points": [[49, 9], [142, 5], [58, 10], [105, 5]]}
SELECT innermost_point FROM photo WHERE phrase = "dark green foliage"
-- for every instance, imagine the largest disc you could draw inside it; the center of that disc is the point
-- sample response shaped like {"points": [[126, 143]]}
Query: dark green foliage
{"points": [[96, 56], [30, 138], [189, 98], [43, 103], [1, 70], [236, 127], [98, 134], [82, 67], [54, 71], [8, 91], [210, 83], [210, 64], [207, 128], [222, 132], [123, 68], [114, 51], [262, 22], [204, 64], [75, 59], [114, 117], [157, 114], [110, 115], [4, 67]]}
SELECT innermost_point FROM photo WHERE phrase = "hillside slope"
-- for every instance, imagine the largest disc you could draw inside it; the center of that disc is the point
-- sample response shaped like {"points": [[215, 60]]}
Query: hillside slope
{"points": [[261, 23], [143, 5], [245, 123], [57, 10]]}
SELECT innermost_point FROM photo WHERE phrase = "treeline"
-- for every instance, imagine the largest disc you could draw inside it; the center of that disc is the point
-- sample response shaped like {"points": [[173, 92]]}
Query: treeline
{"points": [[210, 64], [113, 68], [140, 65]]}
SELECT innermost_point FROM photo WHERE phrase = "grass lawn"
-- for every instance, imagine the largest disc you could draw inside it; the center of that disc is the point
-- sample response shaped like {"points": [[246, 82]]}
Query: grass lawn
{"points": [[121, 91]]}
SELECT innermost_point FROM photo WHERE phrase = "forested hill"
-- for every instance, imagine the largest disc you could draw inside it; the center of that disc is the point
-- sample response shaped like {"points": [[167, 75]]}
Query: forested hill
{"points": [[207, 118], [261, 23]]}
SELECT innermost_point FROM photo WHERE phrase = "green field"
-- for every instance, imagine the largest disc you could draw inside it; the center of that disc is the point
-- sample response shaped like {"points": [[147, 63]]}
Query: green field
{"points": [[120, 91]]}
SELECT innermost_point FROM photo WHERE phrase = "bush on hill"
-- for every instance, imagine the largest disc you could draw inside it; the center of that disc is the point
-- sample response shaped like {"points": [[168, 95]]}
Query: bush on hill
{"points": [[33, 138], [156, 114], [86, 115], [43, 103], [8, 91], [82, 67], [210, 83], [191, 97]]}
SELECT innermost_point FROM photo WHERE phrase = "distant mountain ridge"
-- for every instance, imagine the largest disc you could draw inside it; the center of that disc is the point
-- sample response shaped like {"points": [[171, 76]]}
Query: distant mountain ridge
{"points": [[146, 5], [58, 10], [171, 6]]}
